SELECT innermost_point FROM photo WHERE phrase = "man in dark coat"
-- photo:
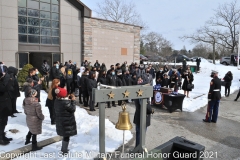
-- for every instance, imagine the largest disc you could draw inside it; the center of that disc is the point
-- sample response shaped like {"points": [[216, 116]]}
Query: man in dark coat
{"points": [[112, 81], [45, 71], [152, 71], [65, 120], [96, 64], [6, 85], [198, 61], [214, 96], [91, 83], [55, 74], [137, 116], [83, 82], [12, 71]]}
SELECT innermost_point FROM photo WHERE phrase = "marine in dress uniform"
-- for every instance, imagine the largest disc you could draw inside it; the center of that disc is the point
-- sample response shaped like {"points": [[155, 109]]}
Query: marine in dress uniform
{"points": [[214, 96]]}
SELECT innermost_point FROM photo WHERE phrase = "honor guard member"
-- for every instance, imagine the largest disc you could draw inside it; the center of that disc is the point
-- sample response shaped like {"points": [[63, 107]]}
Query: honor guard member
{"points": [[214, 96]]}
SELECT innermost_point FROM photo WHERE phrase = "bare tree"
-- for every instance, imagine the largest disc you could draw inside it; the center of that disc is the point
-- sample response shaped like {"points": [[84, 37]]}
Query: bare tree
{"points": [[206, 35], [120, 11], [156, 43], [227, 18]]}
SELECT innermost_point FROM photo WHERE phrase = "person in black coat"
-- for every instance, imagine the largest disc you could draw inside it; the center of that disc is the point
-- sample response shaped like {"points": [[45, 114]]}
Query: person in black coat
{"points": [[55, 74], [12, 71], [228, 81], [137, 116], [102, 78], [46, 71], [65, 120], [184, 64], [188, 79], [91, 83], [198, 61], [174, 81], [165, 81], [84, 80], [6, 85], [112, 81], [96, 64], [134, 79]]}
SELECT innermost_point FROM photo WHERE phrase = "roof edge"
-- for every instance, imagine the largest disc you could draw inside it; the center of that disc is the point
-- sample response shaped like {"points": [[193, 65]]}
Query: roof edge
{"points": [[115, 22]]}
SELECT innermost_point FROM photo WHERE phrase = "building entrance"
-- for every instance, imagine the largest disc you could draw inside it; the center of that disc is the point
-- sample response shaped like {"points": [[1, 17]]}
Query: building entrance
{"points": [[36, 59]]}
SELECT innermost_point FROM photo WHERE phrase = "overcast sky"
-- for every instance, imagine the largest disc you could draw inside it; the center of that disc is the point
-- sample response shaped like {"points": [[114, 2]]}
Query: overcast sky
{"points": [[172, 18]]}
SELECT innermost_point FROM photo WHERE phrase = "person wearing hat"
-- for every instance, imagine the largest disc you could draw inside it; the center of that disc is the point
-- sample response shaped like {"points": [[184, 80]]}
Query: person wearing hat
{"points": [[65, 107], [214, 96], [34, 118], [5, 105]]}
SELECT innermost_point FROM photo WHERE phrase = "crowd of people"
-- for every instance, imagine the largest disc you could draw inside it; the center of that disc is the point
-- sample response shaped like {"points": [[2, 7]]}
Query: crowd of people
{"points": [[67, 79]]}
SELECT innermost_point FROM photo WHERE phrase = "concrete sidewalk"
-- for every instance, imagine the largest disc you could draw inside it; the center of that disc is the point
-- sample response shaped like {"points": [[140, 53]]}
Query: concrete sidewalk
{"points": [[221, 138]]}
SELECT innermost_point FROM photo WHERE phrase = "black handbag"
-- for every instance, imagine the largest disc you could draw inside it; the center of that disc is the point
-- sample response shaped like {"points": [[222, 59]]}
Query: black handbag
{"points": [[190, 86]]}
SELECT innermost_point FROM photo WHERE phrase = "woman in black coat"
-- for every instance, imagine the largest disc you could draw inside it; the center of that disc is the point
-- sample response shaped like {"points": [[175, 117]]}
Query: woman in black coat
{"points": [[6, 85], [228, 81], [188, 79], [102, 78], [65, 120], [91, 83]]}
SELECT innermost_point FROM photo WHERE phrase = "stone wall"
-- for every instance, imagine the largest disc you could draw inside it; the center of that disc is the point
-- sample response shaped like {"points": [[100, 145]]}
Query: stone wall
{"points": [[110, 42], [8, 31]]}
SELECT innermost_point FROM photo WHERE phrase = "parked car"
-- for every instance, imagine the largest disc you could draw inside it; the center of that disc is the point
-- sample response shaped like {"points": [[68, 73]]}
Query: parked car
{"points": [[142, 57], [155, 58], [179, 58], [225, 60]]}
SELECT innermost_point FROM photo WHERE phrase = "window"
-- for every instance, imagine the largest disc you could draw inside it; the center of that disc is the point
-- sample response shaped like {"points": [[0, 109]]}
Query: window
{"points": [[38, 21]]}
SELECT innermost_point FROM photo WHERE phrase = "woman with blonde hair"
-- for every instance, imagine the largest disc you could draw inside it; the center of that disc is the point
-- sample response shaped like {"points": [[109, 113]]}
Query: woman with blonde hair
{"points": [[51, 98]]}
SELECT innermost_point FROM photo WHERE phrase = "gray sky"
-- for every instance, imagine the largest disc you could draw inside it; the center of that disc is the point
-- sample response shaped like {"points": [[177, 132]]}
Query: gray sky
{"points": [[172, 18]]}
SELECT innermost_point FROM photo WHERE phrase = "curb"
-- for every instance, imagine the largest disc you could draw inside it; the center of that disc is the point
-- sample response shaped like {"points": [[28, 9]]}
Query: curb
{"points": [[25, 149]]}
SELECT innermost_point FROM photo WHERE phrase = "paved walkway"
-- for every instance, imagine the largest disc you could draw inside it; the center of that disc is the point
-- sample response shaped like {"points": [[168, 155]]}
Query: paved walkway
{"points": [[222, 137]]}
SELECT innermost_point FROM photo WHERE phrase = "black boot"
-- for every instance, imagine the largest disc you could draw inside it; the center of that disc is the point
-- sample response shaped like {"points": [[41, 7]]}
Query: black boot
{"points": [[64, 147], [2, 141], [28, 137], [34, 143]]}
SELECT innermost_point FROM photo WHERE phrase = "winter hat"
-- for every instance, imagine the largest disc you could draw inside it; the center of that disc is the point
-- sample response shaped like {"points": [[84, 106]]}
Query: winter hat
{"points": [[31, 92], [61, 92]]}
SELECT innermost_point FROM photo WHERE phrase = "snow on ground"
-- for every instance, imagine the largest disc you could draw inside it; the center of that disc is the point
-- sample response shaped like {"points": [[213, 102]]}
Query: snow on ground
{"points": [[202, 82], [85, 142]]}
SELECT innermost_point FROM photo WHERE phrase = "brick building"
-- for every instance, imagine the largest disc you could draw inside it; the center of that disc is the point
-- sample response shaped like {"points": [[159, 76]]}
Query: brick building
{"points": [[34, 30]]}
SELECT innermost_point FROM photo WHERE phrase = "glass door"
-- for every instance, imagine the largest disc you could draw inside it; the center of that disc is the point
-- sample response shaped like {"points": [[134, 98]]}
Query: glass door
{"points": [[22, 58]]}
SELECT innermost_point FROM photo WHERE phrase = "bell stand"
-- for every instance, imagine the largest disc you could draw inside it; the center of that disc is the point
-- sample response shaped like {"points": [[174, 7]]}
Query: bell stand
{"points": [[101, 96]]}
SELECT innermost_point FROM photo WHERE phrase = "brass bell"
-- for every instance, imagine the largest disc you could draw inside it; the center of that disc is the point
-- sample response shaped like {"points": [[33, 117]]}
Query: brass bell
{"points": [[123, 119]]}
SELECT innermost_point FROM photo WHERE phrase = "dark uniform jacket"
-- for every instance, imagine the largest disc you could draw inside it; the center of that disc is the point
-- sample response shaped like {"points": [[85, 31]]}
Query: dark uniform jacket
{"points": [[83, 82], [215, 89], [65, 119], [13, 72], [137, 116], [102, 80], [111, 80]]}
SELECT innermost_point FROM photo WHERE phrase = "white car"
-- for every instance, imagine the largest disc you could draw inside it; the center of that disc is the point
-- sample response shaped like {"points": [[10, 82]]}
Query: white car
{"points": [[225, 60]]}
